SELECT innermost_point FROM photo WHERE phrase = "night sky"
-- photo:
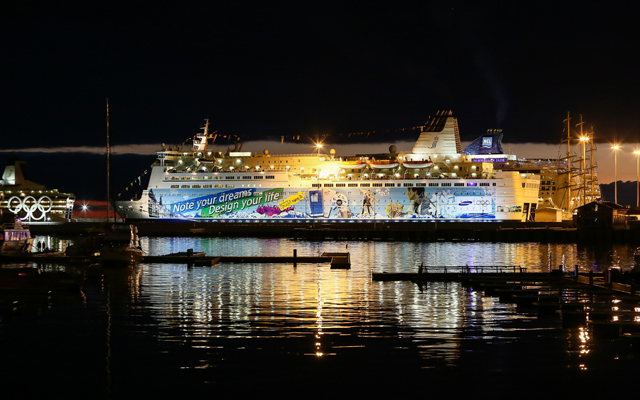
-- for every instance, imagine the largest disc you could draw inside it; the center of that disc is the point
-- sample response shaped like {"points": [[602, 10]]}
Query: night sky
{"points": [[266, 69]]}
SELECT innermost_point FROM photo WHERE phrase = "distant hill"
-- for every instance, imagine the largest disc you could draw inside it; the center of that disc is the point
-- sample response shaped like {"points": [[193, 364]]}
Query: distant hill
{"points": [[626, 192]]}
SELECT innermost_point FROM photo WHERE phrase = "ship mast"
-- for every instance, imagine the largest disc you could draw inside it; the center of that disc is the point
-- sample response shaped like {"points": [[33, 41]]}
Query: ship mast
{"points": [[569, 161], [108, 164], [581, 173]]}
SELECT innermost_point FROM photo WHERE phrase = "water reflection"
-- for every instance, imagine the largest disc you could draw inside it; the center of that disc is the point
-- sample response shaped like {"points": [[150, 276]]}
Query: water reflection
{"points": [[220, 320]]}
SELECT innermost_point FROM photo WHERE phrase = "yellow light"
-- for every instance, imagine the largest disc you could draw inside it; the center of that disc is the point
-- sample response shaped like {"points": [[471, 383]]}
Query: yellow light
{"points": [[319, 145], [584, 138], [615, 147]]}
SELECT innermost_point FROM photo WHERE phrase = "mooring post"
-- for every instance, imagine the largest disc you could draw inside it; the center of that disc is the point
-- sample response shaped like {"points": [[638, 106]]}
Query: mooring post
{"points": [[295, 255], [575, 273], [632, 287], [591, 277]]}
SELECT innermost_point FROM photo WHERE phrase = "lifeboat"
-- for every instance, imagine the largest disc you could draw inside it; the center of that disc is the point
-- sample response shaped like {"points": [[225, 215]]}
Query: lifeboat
{"points": [[417, 164], [352, 164], [381, 164]]}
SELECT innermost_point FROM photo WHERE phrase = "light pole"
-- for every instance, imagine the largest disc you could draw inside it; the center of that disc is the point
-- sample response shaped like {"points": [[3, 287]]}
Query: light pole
{"points": [[637, 153], [615, 148]]}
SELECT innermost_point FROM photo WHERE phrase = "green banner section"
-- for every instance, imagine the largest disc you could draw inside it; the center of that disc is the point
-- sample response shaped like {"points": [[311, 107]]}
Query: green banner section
{"points": [[240, 204]]}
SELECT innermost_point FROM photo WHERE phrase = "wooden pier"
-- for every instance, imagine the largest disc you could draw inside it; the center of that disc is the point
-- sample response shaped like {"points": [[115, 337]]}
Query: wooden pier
{"points": [[336, 260], [608, 310]]}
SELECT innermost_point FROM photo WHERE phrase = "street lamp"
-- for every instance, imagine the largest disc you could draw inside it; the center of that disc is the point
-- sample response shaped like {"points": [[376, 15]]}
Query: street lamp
{"points": [[615, 148], [637, 153]]}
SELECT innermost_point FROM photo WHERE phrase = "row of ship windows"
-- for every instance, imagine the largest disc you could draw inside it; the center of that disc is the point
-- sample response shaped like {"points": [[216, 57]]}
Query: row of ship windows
{"points": [[216, 177], [388, 200], [317, 185], [433, 184]]}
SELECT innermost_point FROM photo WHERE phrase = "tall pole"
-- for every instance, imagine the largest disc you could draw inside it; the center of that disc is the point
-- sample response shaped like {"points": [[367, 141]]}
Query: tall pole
{"points": [[581, 190], [637, 153], [592, 164], [615, 148], [569, 162], [108, 165], [584, 176]]}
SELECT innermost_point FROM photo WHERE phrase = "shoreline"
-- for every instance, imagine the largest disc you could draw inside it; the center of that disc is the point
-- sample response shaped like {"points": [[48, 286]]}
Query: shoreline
{"points": [[498, 231]]}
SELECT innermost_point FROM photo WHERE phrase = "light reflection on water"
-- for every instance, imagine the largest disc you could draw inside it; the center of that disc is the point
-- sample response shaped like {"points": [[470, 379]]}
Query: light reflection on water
{"points": [[208, 314], [277, 300]]}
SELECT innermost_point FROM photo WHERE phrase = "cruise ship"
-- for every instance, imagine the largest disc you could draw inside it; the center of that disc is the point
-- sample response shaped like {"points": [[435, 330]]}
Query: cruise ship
{"points": [[435, 181], [30, 201]]}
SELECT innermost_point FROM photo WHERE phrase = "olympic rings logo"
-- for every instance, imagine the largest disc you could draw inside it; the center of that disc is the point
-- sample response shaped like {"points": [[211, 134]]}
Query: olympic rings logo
{"points": [[482, 202], [30, 207]]}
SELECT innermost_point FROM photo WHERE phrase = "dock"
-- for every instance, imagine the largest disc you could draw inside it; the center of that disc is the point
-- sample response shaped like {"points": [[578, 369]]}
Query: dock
{"points": [[608, 309], [336, 260]]}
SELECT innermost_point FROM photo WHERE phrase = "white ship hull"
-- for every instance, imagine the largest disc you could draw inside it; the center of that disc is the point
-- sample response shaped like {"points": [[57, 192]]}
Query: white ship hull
{"points": [[208, 186], [509, 197]]}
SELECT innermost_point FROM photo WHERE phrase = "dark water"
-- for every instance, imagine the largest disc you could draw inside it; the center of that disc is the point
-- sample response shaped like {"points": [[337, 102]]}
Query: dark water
{"points": [[171, 331]]}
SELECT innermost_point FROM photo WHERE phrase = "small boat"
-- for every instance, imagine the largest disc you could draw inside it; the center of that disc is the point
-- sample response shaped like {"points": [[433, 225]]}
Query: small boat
{"points": [[417, 164], [17, 239], [121, 246], [382, 164], [357, 164], [188, 253]]}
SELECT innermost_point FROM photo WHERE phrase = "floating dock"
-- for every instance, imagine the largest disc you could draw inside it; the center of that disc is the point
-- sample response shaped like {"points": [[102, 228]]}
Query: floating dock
{"points": [[608, 309], [337, 260]]}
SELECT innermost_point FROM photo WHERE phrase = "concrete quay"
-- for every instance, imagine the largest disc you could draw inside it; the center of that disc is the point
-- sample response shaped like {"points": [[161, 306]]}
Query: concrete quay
{"points": [[387, 230]]}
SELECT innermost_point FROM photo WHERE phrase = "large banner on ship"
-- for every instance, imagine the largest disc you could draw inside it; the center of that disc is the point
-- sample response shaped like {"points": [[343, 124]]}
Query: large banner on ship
{"points": [[240, 201], [219, 204], [362, 202]]}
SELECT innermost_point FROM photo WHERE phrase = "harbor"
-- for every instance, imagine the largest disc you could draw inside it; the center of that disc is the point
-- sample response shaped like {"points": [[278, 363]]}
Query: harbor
{"points": [[212, 325], [356, 200]]}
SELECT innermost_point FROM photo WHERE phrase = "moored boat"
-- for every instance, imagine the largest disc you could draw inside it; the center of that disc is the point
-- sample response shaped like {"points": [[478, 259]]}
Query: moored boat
{"points": [[121, 246], [263, 186], [16, 239], [30, 201]]}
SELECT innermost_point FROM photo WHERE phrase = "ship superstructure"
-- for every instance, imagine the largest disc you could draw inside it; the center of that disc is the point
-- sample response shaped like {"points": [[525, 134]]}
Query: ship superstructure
{"points": [[434, 181], [30, 201], [565, 182]]}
